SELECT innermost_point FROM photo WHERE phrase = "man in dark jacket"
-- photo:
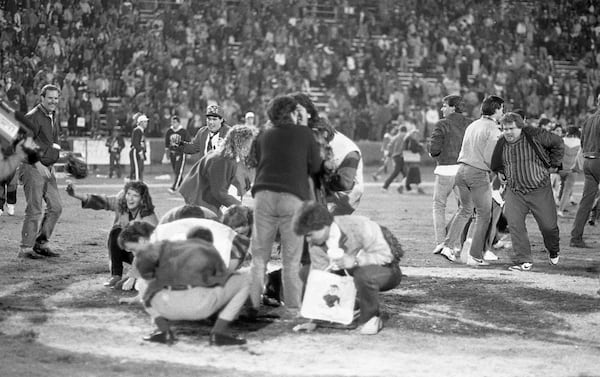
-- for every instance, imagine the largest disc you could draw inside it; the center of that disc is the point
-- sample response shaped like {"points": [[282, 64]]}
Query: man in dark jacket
{"points": [[137, 153], [286, 155], [39, 180], [209, 137], [524, 157], [115, 145], [446, 140], [590, 147]]}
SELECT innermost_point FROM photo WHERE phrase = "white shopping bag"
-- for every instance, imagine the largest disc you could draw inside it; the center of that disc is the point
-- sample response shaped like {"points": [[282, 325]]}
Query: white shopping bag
{"points": [[329, 297]]}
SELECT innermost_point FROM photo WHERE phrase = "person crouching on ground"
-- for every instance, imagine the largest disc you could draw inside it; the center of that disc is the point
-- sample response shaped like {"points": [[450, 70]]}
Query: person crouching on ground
{"points": [[187, 280], [371, 255], [133, 203]]}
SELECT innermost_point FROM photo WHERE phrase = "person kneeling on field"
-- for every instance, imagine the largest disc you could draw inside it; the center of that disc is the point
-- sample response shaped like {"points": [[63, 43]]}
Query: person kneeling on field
{"points": [[371, 255], [187, 280], [177, 284], [132, 203]]}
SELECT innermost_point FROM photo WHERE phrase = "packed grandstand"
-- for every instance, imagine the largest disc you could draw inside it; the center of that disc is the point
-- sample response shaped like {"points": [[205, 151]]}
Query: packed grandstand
{"points": [[365, 62]]}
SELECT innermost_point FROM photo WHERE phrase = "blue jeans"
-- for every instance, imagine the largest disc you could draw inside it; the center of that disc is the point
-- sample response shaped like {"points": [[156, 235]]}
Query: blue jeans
{"points": [[591, 170], [540, 203], [274, 211], [443, 186], [37, 225], [475, 193]]}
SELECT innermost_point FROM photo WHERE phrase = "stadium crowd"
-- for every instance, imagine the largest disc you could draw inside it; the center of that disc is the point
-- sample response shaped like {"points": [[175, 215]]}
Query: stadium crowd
{"points": [[179, 57]]}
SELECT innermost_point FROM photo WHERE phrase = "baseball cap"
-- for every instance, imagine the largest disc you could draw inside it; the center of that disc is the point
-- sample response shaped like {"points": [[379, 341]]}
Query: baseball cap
{"points": [[214, 110], [142, 118], [249, 114]]}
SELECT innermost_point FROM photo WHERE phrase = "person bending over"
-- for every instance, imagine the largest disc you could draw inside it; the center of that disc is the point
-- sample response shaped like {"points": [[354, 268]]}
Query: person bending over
{"points": [[187, 280]]}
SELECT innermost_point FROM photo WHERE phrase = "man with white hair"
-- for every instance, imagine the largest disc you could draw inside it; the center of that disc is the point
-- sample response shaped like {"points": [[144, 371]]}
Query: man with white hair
{"points": [[137, 154]]}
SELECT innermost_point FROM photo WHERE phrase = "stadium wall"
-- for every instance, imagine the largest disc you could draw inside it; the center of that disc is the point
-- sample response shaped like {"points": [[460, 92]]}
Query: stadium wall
{"points": [[96, 153]]}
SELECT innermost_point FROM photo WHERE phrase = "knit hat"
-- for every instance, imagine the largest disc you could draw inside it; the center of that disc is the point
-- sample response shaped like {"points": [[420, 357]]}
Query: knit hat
{"points": [[214, 110]]}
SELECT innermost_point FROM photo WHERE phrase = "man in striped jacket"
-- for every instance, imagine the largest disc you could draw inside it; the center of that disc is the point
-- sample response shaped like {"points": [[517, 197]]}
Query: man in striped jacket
{"points": [[524, 157]]}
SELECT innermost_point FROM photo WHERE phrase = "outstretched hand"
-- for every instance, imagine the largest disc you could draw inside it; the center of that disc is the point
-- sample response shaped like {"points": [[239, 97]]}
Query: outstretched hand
{"points": [[70, 188]]}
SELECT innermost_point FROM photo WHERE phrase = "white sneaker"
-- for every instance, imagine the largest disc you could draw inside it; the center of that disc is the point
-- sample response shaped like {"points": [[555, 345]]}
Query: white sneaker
{"points": [[371, 327], [489, 256], [10, 209], [553, 261], [521, 267], [476, 262], [504, 242], [438, 248], [1, 212], [448, 253]]}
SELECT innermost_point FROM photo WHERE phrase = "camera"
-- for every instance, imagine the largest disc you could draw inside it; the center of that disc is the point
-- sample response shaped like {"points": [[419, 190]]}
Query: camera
{"points": [[14, 127]]}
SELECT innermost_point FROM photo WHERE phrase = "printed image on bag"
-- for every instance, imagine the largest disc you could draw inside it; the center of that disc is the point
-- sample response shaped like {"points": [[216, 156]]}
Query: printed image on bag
{"points": [[329, 297]]}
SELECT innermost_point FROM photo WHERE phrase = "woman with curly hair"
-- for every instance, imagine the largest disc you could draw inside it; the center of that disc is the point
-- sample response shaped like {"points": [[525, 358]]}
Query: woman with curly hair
{"points": [[133, 203], [207, 183]]}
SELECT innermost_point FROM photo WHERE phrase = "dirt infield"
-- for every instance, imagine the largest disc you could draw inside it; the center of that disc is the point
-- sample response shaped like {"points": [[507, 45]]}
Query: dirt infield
{"points": [[56, 318]]}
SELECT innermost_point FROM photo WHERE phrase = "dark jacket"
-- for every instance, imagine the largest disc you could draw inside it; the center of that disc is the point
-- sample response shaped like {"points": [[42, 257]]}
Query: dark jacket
{"points": [[286, 155], [208, 182], [191, 262], [546, 145], [447, 137], [46, 132], [138, 142], [198, 143], [590, 136], [118, 147]]}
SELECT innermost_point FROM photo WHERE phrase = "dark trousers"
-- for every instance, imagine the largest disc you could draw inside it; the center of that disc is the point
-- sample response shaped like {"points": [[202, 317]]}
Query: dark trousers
{"points": [[398, 168], [178, 165], [541, 204], [117, 255], [369, 281], [591, 170], [136, 164], [114, 164], [8, 190]]}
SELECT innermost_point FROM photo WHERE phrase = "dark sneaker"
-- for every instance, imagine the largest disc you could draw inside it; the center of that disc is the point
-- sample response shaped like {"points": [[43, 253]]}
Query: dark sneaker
{"points": [[43, 249], [218, 339], [163, 337], [29, 254], [578, 243], [112, 281]]}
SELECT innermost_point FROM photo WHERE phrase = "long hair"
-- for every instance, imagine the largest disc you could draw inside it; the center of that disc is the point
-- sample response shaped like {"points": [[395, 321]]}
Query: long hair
{"points": [[146, 206], [234, 140]]}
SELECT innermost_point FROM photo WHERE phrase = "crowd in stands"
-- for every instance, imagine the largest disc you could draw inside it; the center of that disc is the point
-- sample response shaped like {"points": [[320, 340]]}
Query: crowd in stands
{"points": [[243, 53]]}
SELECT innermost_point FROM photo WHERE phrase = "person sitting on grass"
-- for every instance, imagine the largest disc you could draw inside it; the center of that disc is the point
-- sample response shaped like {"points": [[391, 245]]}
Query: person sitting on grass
{"points": [[186, 280], [371, 255], [133, 203]]}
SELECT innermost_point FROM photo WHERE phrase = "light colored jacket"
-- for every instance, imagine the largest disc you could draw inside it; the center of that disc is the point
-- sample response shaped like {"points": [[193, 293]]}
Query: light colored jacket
{"points": [[479, 142]]}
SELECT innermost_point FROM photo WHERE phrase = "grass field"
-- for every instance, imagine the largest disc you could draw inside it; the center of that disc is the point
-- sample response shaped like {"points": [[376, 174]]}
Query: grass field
{"points": [[56, 318]]}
